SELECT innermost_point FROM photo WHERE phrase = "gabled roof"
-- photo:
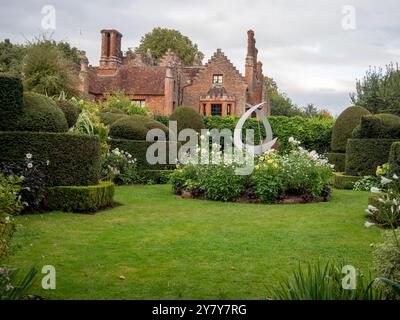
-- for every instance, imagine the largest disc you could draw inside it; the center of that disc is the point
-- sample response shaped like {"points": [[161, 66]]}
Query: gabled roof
{"points": [[138, 80]]}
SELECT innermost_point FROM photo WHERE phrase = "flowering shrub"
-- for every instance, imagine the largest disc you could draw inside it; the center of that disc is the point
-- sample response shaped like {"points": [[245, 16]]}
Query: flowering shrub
{"points": [[118, 100], [119, 166], [10, 204], [387, 213], [366, 183], [275, 176]]}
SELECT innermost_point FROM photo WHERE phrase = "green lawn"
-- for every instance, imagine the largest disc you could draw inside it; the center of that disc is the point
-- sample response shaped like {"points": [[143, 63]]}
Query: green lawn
{"points": [[172, 248]]}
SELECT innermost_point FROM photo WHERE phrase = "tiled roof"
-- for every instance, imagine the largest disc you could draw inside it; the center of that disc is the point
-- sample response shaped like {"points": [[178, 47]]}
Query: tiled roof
{"points": [[131, 79]]}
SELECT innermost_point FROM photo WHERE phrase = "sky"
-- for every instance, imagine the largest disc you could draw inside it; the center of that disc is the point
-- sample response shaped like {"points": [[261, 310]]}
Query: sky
{"points": [[314, 49]]}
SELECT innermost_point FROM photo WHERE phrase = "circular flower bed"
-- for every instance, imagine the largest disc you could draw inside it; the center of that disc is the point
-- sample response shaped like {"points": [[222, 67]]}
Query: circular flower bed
{"points": [[294, 177]]}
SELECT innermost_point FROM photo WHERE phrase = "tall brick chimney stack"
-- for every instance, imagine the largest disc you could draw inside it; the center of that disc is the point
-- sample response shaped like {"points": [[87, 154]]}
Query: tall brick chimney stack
{"points": [[251, 62], [111, 54]]}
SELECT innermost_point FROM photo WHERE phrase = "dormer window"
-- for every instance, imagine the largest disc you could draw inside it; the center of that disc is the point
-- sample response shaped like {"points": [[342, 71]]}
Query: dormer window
{"points": [[217, 78]]}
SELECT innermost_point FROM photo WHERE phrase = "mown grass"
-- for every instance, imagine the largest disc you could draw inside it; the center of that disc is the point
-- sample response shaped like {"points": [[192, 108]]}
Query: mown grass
{"points": [[171, 248]]}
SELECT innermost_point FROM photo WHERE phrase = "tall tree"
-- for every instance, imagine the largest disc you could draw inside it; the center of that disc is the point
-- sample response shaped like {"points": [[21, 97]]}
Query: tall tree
{"points": [[159, 40], [379, 90]]}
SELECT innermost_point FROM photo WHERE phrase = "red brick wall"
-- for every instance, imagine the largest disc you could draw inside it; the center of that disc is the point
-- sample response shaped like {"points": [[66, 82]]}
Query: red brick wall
{"points": [[232, 81]]}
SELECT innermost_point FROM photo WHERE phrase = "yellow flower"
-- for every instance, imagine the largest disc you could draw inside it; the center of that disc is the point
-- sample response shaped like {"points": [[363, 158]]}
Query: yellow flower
{"points": [[270, 161], [257, 167]]}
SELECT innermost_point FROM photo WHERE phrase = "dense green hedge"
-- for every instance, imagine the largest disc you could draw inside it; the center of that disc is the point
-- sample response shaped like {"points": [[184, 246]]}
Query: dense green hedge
{"points": [[71, 111], [364, 155], [187, 118], [109, 118], [138, 149], [341, 181], [314, 133], [74, 159], [378, 126], [338, 160], [39, 113], [11, 96], [134, 127], [157, 176], [394, 159], [80, 198], [344, 126]]}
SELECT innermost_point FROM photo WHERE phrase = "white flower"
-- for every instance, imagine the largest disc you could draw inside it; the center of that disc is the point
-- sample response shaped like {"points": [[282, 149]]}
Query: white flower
{"points": [[47, 162], [7, 219], [385, 181], [375, 190], [395, 177], [29, 165], [372, 208], [29, 156], [368, 224]]}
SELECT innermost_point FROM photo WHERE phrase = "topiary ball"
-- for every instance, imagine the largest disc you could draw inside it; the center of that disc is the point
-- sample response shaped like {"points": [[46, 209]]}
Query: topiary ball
{"points": [[108, 118], [134, 127], [348, 120], [71, 112], [378, 126], [39, 113], [187, 117]]}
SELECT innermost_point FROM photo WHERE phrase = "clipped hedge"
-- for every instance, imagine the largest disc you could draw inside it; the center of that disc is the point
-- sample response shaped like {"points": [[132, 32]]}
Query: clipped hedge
{"points": [[108, 118], [157, 176], [314, 133], [347, 121], [11, 97], [364, 155], [187, 118], [338, 160], [39, 113], [341, 181], [138, 149], [394, 159], [71, 111], [74, 159], [135, 127], [378, 126], [80, 198]]}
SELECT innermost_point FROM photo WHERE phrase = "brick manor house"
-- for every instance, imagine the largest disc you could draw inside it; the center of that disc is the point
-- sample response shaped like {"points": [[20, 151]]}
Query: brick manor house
{"points": [[216, 88]]}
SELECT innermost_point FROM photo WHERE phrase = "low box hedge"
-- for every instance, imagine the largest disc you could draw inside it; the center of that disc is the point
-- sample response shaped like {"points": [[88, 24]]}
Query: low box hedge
{"points": [[341, 181], [338, 160], [80, 198], [138, 149], [157, 176], [364, 155], [74, 159]]}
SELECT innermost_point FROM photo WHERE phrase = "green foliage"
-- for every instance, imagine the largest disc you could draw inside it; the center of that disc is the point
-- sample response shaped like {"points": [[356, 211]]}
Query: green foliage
{"points": [[11, 56], [119, 101], [108, 118], [378, 126], [394, 159], [267, 184], [135, 127], [70, 110], [379, 90], [323, 281], [282, 105], [363, 156], [13, 289], [187, 118], [337, 159], [366, 183], [39, 113], [387, 260], [341, 181], [11, 97], [90, 124], [315, 133], [10, 205], [47, 71], [120, 167], [81, 198], [159, 40], [157, 176], [344, 126], [161, 118], [74, 159], [138, 149]]}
